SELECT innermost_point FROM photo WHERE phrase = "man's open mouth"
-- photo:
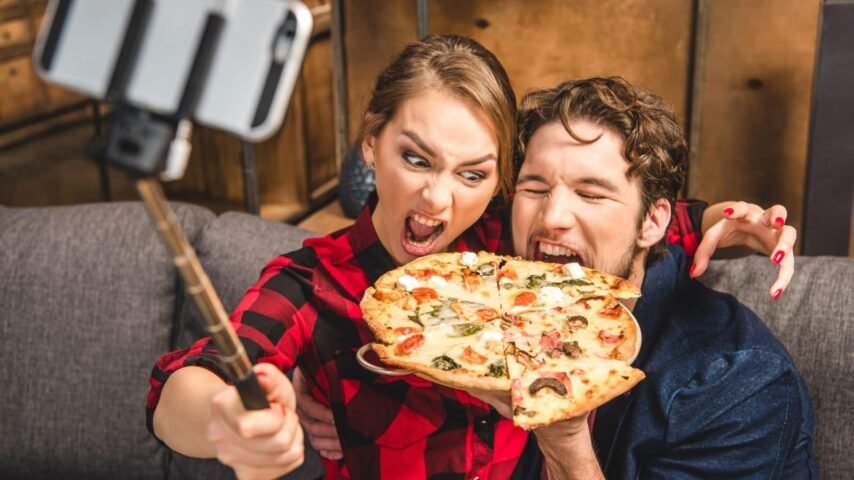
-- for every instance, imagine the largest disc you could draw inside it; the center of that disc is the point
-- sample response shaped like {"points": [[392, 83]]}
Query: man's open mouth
{"points": [[420, 234], [550, 252]]}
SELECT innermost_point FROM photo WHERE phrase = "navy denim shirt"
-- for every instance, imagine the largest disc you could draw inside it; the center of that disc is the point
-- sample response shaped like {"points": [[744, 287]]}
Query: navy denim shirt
{"points": [[722, 397]]}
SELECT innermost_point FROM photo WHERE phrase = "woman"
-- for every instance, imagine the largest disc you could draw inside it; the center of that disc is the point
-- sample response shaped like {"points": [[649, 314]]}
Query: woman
{"points": [[439, 132]]}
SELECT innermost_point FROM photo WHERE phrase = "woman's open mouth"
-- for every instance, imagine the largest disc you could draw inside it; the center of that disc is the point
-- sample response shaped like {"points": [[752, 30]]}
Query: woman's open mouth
{"points": [[420, 234]]}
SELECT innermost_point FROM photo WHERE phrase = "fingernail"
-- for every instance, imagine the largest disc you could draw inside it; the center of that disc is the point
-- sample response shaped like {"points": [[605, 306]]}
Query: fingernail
{"points": [[778, 257], [728, 211], [261, 374], [777, 293], [691, 270], [779, 221]]}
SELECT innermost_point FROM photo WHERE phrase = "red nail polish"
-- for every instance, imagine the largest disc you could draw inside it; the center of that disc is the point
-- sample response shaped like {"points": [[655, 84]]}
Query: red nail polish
{"points": [[777, 294], [779, 221], [778, 257], [691, 270], [728, 211]]}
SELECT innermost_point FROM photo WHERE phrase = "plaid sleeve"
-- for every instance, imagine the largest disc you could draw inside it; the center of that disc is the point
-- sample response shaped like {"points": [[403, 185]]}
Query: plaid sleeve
{"points": [[686, 226], [270, 321]]}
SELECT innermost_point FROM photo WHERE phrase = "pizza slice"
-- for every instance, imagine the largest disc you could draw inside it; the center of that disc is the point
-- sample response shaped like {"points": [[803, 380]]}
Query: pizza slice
{"points": [[546, 391], [462, 356], [463, 276], [543, 285]]}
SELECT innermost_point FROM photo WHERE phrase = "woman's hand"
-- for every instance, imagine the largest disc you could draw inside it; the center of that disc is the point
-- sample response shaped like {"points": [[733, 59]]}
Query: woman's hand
{"points": [[317, 421], [258, 444], [739, 223]]}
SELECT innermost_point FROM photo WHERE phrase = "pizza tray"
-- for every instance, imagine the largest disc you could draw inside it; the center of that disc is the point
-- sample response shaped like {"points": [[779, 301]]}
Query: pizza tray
{"points": [[400, 372]]}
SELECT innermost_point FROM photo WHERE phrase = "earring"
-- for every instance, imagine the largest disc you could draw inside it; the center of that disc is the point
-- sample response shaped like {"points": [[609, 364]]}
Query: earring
{"points": [[371, 166]]}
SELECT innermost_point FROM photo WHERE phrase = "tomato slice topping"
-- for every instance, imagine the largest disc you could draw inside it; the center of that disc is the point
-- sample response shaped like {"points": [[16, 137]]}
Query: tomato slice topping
{"points": [[487, 313], [410, 344], [525, 298], [471, 356], [508, 273], [401, 331], [424, 294]]}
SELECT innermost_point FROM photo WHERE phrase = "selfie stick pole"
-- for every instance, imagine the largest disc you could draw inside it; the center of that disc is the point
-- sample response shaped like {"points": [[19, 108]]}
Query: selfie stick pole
{"points": [[139, 142]]}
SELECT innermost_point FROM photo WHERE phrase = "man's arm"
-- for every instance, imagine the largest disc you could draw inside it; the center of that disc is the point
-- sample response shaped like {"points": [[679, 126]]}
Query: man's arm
{"points": [[568, 450], [739, 417]]}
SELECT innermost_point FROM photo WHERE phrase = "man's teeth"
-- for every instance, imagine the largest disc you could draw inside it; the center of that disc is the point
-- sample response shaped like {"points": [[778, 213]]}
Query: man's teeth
{"points": [[428, 222], [555, 250]]}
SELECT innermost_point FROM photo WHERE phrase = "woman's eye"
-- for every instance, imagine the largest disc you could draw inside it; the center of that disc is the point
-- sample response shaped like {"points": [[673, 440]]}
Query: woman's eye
{"points": [[415, 160], [473, 176]]}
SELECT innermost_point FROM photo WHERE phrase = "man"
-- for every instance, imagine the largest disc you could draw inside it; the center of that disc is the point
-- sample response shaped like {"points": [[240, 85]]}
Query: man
{"points": [[603, 162]]}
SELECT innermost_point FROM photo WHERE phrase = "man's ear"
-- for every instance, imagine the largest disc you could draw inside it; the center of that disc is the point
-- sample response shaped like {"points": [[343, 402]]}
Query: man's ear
{"points": [[655, 223]]}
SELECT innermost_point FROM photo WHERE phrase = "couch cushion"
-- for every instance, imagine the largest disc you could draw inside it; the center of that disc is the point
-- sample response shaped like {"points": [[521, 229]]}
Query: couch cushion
{"points": [[813, 319], [233, 249], [88, 304]]}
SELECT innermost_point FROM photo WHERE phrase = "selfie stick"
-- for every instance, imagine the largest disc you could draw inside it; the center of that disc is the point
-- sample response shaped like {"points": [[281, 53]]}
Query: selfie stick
{"points": [[140, 142]]}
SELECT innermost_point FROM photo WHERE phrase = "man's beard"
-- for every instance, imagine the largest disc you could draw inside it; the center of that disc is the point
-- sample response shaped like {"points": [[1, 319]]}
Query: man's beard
{"points": [[625, 267]]}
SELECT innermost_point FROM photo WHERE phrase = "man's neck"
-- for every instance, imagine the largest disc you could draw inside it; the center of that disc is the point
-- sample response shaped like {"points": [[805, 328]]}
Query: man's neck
{"points": [[636, 277]]}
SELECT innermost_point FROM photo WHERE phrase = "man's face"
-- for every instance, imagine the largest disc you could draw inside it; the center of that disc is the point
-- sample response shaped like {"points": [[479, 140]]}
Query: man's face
{"points": [[575, 203]]}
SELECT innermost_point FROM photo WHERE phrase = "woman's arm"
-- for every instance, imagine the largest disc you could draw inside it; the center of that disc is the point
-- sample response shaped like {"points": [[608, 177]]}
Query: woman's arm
{"points": [[199, 415]]}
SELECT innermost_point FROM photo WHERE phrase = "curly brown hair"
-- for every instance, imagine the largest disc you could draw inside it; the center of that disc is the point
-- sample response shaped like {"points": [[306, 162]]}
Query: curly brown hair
{"points": [[458, 65], [655, 146]]}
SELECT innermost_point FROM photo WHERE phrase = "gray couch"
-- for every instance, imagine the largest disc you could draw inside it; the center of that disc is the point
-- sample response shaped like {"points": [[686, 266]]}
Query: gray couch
{"points": [[89, 299]]}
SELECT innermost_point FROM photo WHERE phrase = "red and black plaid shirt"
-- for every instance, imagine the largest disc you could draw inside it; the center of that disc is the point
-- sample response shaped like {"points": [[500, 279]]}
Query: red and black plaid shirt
{"points": [[305, 310]]}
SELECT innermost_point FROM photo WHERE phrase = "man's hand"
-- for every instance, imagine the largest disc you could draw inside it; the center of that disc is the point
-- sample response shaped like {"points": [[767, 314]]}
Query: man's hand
{"points": [[745, 224], [317, 421], [258, 444], [566, 445]]}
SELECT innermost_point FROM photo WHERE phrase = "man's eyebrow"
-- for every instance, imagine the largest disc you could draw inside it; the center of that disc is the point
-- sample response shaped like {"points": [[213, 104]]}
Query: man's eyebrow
{"points": [[423, 146], [599, 182], [531, 178]]}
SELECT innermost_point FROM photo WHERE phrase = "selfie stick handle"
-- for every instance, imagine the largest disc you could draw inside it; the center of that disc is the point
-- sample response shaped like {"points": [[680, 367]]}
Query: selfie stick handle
{"points": [[200, 288], [138, 142]]}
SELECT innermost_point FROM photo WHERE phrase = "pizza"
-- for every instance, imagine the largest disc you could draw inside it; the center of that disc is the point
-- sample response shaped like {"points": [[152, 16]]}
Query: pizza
{"points": [[553, 336]]}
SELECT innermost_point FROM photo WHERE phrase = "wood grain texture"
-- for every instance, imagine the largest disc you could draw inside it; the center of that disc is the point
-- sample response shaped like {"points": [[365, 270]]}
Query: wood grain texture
{"points": [[753, 107], [548, 41], [374, 32]]}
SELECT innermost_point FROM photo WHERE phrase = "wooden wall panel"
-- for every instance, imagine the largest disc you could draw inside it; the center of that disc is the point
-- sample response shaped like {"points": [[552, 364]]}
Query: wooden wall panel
{"points": [[374, 32], [545, 42], [754, 87], [319, 114]]}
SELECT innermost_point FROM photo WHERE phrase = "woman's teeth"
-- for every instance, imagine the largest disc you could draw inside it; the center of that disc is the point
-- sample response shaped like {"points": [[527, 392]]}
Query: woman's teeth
{"points": [[427, 222]]}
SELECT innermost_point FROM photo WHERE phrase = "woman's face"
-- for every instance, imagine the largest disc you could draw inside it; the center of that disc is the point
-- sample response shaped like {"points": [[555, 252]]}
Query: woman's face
{"points": [[436, 166]]}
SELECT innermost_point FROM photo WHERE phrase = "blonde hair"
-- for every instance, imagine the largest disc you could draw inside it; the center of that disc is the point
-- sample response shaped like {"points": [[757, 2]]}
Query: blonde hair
{"points": [[458, 65]]}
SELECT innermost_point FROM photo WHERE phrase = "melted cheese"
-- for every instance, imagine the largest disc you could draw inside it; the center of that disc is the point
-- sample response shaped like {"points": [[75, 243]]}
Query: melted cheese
{"points": [[468, 259], [408, 282]]}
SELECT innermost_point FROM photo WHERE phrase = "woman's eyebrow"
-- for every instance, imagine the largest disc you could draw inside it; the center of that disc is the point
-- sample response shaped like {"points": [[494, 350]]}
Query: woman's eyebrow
{"points": [[417, 140], [423, 146]]}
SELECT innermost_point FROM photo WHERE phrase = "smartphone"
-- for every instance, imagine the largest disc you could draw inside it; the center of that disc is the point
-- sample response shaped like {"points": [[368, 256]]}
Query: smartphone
{"points": [[253, 69]]}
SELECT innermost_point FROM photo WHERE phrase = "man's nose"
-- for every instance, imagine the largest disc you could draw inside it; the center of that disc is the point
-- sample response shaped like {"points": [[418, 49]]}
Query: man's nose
{"points": [[438, 193], [557, 213]]}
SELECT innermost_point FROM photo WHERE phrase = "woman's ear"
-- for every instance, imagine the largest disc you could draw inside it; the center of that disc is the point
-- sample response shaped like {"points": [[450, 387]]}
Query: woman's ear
{"points": [[655, 223], [368, 149]]}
